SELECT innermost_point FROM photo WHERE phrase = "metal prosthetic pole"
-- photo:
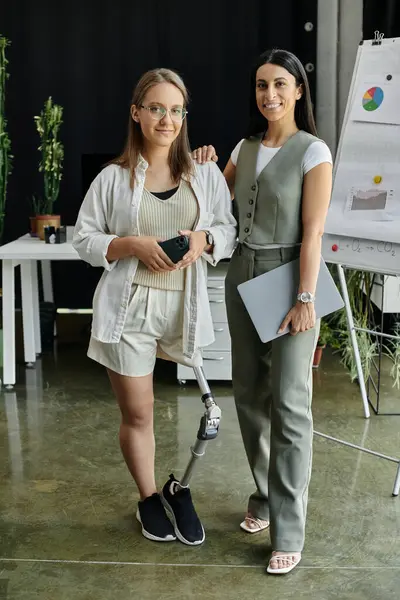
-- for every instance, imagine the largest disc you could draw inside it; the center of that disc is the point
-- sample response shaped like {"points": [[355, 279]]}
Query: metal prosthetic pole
{"points": [[208, 429]]}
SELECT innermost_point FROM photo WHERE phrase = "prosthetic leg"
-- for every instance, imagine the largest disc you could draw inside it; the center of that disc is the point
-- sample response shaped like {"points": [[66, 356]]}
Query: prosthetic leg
{"points": [[175, 494], [208, 429]]}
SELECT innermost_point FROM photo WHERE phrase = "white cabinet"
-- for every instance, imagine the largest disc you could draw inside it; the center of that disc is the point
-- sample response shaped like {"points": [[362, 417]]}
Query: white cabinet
{"points": [[217, 362], [391, 298]]}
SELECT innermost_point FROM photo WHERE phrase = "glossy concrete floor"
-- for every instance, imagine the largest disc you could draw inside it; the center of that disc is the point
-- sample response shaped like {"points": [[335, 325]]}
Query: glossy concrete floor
{"points": [[67, 529]]}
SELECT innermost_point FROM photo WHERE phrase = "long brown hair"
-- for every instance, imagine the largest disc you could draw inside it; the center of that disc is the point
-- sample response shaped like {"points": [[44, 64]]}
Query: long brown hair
{"points": [[303, 113], [179, 155]]}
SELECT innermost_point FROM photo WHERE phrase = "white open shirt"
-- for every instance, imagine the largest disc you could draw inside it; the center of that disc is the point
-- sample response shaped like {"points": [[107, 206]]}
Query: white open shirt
{"points": [[110, 209]]}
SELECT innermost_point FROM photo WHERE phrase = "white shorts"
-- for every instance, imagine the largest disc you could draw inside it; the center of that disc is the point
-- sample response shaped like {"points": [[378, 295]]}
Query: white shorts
{"points": [[153, 328]]}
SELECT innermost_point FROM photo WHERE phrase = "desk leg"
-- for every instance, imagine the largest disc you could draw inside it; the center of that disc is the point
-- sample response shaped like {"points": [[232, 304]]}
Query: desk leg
{"points": [[28, 317], [35, 302], [48, 295], [47, 281], [8, 323]]}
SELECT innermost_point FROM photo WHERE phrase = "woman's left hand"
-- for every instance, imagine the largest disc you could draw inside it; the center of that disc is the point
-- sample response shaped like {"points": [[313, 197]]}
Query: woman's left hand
{"points": [[300, 318], [205, 154], [197, 245]]}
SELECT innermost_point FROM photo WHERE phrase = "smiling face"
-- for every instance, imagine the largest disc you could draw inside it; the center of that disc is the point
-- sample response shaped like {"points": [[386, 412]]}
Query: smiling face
{"points": [[160, 98], [276, 92]]}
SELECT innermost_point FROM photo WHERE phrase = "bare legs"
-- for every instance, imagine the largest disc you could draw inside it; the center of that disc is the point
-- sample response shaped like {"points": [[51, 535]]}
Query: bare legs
{"points": [[136, 435]]}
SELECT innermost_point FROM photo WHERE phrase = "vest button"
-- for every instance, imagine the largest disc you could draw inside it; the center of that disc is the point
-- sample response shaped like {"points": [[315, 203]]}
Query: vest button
{"points": [[248, 215], [246, 230], [253, 187], [251, 201]]}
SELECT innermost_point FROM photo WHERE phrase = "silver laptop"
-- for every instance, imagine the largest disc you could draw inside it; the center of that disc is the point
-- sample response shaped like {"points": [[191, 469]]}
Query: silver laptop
{"points": [[269, 297]]}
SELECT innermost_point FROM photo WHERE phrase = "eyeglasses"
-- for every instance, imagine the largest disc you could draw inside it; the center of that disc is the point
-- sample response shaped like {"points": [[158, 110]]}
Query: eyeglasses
{"points": [[158, 112]]}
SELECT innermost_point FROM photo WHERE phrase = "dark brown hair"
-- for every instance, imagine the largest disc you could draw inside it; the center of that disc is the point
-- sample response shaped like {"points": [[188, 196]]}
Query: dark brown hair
{"points": [[179, 155], [303, 112]]}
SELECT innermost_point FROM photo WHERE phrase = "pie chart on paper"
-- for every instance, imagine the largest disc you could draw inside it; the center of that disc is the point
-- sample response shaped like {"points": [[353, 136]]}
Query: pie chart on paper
{"points": [[372, 99]]}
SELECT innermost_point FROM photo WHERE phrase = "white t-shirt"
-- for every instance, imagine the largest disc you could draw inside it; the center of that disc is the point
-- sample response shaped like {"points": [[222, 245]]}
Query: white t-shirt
{"points": [[316, 153]]}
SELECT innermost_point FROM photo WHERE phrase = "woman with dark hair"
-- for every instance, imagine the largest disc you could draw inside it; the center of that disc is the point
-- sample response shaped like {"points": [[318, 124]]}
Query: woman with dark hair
{"points": [[145, 305], [280, 176]]}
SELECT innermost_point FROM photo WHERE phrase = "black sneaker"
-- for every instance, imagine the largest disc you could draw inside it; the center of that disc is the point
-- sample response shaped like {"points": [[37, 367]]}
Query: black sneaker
{"points": [[155, 524], [179, 502]]}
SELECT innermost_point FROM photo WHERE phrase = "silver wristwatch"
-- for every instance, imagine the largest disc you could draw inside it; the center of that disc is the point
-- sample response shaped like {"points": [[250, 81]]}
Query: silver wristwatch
{"points": [[209, 238], [305, 297]]}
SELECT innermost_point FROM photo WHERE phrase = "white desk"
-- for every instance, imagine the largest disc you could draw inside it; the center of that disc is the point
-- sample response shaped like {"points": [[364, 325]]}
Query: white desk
{"points": [[26, 251]]}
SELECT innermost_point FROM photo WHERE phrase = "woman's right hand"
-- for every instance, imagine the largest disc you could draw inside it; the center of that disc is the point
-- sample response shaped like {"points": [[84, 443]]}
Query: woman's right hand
{"points": [[204, 154], [147, 249]]}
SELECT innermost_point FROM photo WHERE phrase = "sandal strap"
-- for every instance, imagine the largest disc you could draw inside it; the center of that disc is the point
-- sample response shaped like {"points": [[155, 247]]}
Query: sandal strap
{"points": [[287, 558], [259, 522]]}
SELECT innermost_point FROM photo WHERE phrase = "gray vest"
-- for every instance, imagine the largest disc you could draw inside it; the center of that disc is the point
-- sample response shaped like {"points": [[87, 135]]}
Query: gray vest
{"points": [[268, 208]]}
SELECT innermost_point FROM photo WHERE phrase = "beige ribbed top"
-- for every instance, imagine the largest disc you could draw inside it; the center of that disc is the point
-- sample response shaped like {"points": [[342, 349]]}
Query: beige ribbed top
{"points": [[163, 219]]}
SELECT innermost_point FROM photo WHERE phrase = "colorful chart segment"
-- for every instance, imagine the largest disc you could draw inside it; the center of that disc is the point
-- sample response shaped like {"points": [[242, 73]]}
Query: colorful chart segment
{"points": [[373, 98]]}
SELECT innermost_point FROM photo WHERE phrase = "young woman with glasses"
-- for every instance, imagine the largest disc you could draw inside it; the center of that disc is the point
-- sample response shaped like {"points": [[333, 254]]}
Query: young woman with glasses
{"points": [[145, 305]]}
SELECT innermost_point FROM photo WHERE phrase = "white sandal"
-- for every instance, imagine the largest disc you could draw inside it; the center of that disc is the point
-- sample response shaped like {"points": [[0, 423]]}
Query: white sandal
{"points": [[253, 524], [283, 570]]}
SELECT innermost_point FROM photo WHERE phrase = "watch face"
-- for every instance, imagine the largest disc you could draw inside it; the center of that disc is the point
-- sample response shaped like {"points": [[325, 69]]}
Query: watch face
{"points": [[306, 297]]}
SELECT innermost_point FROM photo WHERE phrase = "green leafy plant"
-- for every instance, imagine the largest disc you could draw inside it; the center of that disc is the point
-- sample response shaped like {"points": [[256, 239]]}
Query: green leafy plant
{"points": [[359, 285], [38, 205], [48, 125], [368, 351], [393, 351], [335, 332], [325, 334], [5, 144]]}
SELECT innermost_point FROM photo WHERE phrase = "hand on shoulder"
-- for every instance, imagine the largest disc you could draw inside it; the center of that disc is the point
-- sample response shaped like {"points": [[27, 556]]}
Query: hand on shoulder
{"points": [[204, 154]]}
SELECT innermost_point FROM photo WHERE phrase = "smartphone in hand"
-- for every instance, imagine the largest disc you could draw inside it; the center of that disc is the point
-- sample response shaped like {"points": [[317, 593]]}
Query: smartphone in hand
{"points": [[176, 247]]}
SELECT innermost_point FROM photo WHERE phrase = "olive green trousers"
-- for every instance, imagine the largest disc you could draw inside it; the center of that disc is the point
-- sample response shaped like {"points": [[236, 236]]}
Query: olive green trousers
{"points": [[272, 385]]}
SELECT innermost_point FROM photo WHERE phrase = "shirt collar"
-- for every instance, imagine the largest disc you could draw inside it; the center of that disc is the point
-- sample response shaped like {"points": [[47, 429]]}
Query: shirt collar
{"points": [[142, 163]]}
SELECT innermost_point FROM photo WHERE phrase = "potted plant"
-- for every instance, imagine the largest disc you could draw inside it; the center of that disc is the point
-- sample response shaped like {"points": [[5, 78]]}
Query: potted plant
{"points": [[359, 285], [325, 336], [52, 154], [5, 144], [37, 207]]}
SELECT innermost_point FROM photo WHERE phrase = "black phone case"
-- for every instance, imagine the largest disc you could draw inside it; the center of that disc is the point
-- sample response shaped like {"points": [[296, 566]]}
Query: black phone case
{"points": [[176, 248]]}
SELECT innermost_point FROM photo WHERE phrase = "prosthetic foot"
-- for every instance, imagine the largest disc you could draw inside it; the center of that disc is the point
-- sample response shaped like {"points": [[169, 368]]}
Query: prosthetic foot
{"points": [[175, 494]]}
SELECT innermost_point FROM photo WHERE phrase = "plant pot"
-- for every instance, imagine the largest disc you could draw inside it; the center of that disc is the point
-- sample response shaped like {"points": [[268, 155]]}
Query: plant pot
{"points": [[43, 221], [32, 229], [317, 356]]}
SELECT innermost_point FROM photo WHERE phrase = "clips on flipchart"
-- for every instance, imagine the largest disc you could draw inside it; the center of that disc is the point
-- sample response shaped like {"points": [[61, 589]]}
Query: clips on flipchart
{"points": [[378, 39]]}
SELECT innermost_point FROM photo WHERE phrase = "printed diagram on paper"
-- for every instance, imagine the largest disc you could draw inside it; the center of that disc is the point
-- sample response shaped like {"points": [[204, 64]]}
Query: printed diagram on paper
{"points": [[365, 201], [376, 100], [362, 208], [372, 204]]}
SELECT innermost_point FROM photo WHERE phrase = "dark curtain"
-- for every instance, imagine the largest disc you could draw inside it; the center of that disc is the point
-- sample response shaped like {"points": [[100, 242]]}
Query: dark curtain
{"points": [[381, 15], [88, 55]]}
